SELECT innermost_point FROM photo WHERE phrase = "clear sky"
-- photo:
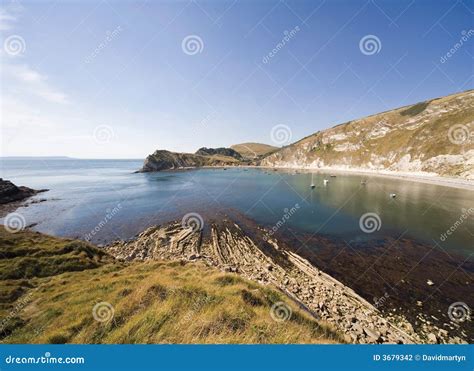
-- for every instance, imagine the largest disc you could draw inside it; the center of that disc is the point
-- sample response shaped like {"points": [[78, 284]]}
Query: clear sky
{"points": [[120, 79]]}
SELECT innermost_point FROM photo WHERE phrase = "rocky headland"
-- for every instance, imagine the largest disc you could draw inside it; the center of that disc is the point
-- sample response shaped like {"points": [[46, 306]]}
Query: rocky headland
{"points": [[425, 141], [9, 192], [11, 195], [166, 160]]}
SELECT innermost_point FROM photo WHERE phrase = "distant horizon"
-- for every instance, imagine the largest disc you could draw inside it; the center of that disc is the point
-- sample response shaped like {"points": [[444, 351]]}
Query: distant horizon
{"points": [[226, 146]]}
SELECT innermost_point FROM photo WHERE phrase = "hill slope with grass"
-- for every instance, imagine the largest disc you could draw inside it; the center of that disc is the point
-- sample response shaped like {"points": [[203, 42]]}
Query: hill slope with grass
{"points": [[253, 150], [64, 291], [434, 137]]}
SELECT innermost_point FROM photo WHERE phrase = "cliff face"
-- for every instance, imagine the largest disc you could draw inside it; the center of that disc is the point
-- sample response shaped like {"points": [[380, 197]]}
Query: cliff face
{"points": [[166, 160], [433, 137]]}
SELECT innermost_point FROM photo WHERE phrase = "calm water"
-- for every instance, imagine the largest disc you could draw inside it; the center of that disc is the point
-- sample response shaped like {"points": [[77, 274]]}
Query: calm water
{"points": [[83, 192]]}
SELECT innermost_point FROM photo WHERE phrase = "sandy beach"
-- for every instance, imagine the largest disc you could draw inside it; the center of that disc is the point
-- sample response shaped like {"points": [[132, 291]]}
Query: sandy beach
{"points": [[421, 177]]}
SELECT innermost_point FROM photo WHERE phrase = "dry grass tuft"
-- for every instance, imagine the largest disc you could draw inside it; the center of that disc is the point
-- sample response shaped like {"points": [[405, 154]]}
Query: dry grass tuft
{"points": [[151, 302]]}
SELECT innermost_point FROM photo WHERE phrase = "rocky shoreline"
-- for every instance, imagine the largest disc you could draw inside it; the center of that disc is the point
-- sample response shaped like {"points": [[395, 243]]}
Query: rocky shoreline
{"points": [[11, 195], [256, 255]]}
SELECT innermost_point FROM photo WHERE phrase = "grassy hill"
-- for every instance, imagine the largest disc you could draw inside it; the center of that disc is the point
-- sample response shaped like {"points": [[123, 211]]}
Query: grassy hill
{"points": [[431, 137], [64, 291], [253, 150]]}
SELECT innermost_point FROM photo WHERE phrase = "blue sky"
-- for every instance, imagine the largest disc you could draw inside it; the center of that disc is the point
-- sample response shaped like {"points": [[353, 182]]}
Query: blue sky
{"points": [[113, 79]]}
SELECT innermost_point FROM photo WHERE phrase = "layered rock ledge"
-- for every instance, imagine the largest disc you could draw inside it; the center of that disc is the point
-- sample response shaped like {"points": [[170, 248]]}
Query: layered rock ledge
{"points": [[256, 256]]}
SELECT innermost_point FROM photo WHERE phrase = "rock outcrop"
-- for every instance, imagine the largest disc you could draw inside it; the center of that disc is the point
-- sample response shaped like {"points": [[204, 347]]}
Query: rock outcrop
{"points": [[435, 137], [9, 192], [267, 260], [166, 160]]}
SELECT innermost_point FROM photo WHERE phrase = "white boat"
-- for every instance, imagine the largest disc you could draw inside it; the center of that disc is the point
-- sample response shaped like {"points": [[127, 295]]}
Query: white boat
{"points": [[326, 181], [393, 195], [312, 182]]}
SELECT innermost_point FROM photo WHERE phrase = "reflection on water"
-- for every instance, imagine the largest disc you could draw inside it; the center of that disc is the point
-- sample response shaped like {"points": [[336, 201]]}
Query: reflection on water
{"points": [[81, 192]]}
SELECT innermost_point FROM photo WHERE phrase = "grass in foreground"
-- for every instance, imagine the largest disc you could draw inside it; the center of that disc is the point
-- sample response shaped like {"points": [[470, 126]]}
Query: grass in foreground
{"points": [[150, 302]]}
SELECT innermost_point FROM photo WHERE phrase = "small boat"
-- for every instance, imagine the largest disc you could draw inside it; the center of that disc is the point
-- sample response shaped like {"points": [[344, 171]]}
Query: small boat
{"points": [[332, 176], [312, 182], [363, 182], [326, 181], [393, 195]]}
